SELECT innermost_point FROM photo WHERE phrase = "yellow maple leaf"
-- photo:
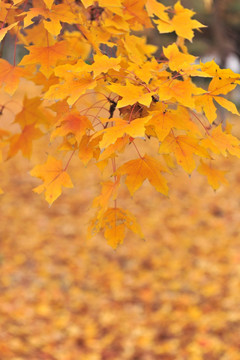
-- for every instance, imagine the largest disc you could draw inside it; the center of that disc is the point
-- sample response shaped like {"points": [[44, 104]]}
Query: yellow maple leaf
{"points": [[215, 177], [163, 121], [178, 60], [221, 86], [220, 142], [72, 88], [141, 169], [103, 63], [53, 17], [136, 15], [112, 149], [213, 69], [131, 94], [53, 176], [181, 91], [182, 22], [109, 190], [163, 22], [156, 8], [217, 86], [135, 128], [183, 147], [114, 223], [227, 104], [137, 48]]}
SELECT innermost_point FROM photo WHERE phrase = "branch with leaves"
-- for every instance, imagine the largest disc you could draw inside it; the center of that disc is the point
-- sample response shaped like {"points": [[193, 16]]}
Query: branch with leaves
{"points": [[103, 92]]}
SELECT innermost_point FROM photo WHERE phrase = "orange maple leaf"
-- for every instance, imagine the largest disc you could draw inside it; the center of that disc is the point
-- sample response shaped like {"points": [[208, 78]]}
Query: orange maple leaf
{"points": [[221, 143], [23, 141], [88, 149], [53, 176], [215, 177], [72, 123], [32, 112], [10, 76], [109, 190], [46, 56], [114, 222], [141, 169]]}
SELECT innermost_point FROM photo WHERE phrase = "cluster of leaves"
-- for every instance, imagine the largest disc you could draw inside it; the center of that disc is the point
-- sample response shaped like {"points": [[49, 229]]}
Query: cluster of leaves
{"points": [[103, 91]]}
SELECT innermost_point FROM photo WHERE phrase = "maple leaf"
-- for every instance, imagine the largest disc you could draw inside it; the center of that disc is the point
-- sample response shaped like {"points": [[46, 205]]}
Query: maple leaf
{"points": [[163, 22], [109, 190], [141, 169], [181, 91], [23, 141], [103, 64], [46, 56], [88, 149], [53, 176], [72, 88], [164, 120], [156, 8], [182, 22], [53, 17], [215, 177], [137, 48], [135, 14], [32, 112], [114, 222], [112, 149], [131, 94], [214, 70], [220, 142], [178, 60], [145, 71], [183, 147], [72, 123], [135, 128], [217, 86], [10, 76]]}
